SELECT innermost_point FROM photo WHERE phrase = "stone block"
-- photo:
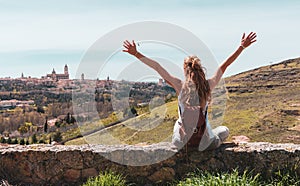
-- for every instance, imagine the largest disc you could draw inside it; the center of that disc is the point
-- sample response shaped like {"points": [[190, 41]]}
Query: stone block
{"points": [[163, 174], [72, 175], [70, 159], [90, 172]]}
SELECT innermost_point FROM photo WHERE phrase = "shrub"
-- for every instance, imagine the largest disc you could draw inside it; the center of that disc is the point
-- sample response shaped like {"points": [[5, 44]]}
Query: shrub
{"points": [[106, 179], [57, 136], [287, 176], [15, 141], [220, 179]]}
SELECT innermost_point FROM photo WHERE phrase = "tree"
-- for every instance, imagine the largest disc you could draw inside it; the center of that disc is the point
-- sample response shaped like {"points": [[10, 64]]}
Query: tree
{"points": [[2, 140], [57, 124], [8, 141], [40, 109], [73, 120], [34, 139], [25, 128], [46, 126], [133, 111], [22, 141], [130, 112], [68, 118], [57, 136]]}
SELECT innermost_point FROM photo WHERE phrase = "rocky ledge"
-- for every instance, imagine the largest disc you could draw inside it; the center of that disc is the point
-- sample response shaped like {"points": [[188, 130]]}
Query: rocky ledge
{"points": [[72, 165]]}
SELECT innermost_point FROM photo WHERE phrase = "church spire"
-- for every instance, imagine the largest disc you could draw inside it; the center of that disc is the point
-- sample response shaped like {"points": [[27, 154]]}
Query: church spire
{"points": [[66, 69]]}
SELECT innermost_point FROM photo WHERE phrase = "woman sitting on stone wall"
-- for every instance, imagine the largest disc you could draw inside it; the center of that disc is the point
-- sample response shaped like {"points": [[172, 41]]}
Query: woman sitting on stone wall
{"points": [[193, 97]]}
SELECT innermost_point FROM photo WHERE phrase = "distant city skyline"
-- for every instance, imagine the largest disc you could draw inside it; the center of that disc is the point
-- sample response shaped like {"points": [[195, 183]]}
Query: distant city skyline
{"points": [[37, 36], [62, 73]]}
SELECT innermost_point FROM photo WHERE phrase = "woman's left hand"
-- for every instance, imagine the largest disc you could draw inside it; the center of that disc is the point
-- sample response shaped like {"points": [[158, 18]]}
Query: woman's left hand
{"points": [[247, 41]]}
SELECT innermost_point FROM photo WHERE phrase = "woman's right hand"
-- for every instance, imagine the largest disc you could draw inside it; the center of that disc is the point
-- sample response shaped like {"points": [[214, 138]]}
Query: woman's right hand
{"points": [[247, 41], [130, 48]]}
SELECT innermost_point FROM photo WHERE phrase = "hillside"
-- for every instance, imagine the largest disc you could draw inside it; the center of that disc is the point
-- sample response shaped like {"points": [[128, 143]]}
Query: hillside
{"points": [[263, 104]]}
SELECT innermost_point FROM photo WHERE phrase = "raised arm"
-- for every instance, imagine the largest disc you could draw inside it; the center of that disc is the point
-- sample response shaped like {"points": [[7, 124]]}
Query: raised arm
{"points": [[173, 81], [245, 42]]}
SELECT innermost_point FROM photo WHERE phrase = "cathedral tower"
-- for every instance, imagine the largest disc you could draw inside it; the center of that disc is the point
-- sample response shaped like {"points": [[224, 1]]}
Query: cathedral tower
{"points": [[66, 70]]}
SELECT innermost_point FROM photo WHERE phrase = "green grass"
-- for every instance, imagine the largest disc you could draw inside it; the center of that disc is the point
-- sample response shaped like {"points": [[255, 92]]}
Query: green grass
{"points": [[106, 179], [89, 126], [205, 178], [279, 178], [220, 179], [159, 123], [259, 114], [71, 133], [284, 177]]}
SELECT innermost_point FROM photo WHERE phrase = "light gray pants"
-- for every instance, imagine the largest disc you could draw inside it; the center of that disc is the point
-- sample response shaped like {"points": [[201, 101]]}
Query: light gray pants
{"points": [[221, 133]]}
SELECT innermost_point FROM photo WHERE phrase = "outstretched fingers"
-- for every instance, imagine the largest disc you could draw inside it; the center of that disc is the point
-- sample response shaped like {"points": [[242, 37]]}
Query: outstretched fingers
{"points": [[247, 41], [253, 37], [125, 46], [126, 43], [129, 47]]}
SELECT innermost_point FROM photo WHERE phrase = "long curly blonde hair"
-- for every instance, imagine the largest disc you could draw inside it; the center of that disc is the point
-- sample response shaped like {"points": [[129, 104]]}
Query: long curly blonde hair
{"points": [[195, 89]]}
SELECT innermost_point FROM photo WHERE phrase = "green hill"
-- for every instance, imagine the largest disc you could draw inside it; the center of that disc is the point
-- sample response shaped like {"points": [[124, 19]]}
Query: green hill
{"points": [[263, 104]]}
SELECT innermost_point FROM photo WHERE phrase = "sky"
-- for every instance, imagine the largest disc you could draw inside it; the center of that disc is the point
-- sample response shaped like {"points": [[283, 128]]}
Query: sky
{"points": [[37, 36]]}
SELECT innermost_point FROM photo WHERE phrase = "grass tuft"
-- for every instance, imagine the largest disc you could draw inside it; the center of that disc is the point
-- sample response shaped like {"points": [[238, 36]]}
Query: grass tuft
{"points": [[220, 179], [107, 178]]}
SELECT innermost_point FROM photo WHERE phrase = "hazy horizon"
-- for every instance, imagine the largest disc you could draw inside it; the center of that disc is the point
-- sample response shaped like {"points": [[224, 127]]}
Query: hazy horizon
{"points": [[61, 71]]}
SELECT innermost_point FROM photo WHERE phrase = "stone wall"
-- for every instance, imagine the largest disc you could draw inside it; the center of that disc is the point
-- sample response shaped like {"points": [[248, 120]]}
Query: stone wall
{"points": [[72, 165]]}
